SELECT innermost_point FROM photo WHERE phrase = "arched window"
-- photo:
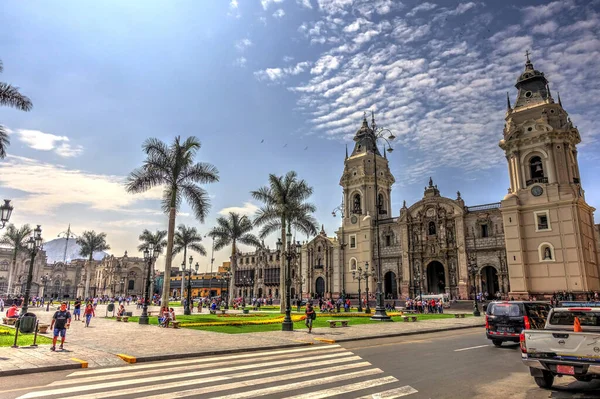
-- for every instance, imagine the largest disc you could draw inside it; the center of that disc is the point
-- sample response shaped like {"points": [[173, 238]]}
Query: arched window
{"points": [[356, 204], [260, 273], [352, 265], [431, 228], [546, 252], [536, 168], [293, 273], [381, 204]]}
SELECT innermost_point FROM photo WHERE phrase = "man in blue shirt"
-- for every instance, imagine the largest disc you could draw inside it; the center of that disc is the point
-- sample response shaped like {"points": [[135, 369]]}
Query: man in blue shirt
{"points": [[60, 322]]}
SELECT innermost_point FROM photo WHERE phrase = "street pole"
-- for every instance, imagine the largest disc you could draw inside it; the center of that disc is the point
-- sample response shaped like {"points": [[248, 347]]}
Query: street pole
{"points": [[368, 308], [150, 255], [360, 309], [33, 244]]}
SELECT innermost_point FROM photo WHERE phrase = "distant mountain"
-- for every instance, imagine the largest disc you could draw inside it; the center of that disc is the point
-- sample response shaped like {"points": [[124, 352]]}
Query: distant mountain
{"points": [[55, 250]]}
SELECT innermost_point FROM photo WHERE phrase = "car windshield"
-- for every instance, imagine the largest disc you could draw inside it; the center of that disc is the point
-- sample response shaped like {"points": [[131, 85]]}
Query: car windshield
{"points": [[538, 313], [506, 309], [568, 318]]}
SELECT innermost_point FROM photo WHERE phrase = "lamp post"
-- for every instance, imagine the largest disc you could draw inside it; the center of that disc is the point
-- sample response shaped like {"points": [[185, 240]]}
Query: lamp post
{"points": [[45, 280], [150, 255], [122, 287], [299, 281], [379, 134], [188, 308], [292, 252], [33, 245], [357, 275], [228, 276], [473, 268], [5, 212], [418, 283]]}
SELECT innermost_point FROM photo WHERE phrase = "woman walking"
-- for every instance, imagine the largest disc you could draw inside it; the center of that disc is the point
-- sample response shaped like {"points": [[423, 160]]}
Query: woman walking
{"points": [[310, 316], [88, 313]]}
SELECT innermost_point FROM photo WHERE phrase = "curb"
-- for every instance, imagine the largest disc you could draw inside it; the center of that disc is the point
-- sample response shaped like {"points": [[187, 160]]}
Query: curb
{"points": [[47, 369], [400, 334]]}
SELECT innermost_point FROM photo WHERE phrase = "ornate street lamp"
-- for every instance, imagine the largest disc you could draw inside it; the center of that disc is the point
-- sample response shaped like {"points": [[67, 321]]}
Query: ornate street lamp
{"points": [[5, 212], [292, 252], [361, 274], [188, 309], [45, 280], [33, 245], [417, 279], [473, 270], [228, 277], [150, 255]]}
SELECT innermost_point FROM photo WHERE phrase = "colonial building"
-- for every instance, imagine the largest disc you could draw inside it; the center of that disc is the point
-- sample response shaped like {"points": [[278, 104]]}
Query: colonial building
{"points": [[20, 271]]}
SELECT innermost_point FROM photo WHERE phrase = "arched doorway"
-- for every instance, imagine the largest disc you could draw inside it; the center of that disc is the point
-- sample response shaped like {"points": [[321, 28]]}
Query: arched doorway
{"points": [[320, 287], [436, 278], [390, 286], [292, 292], [260, 293], [489, 281]]}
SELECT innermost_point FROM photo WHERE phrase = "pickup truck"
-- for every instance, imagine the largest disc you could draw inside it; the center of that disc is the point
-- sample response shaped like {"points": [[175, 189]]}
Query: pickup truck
{"points": [[558, 350]]}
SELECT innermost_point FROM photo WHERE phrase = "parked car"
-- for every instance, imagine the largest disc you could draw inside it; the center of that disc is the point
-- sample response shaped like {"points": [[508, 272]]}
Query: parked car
{"points": [[504, 320], [568, 345]]}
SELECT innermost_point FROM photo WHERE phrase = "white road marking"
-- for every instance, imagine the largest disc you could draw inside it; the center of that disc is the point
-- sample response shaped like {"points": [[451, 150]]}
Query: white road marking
{"points": [[252, 355], [472, 347], [392, 393], [327, 393]]}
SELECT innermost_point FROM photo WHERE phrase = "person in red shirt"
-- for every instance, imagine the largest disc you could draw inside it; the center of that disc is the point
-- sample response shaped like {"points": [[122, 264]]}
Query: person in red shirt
{"points": [[12, 312]]}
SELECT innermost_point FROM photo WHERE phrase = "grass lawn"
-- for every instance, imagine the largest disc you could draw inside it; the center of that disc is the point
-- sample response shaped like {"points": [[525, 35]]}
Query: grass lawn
{"points": [[321, 321], [7, 338]]}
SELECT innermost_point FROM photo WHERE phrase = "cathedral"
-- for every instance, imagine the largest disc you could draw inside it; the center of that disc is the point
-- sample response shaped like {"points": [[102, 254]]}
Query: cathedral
{"points": [[539, 239]]}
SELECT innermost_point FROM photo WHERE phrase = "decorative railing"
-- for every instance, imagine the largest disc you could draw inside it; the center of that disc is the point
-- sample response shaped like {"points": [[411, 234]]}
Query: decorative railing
{"points": [[536, 180], [485, 207]]}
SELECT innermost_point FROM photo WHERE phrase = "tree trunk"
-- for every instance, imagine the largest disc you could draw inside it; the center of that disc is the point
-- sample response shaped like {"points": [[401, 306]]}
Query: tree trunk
{"points": [[282, 267], [88, 277], [169, 259], [182, 274], [11, 271], [232, 269]]}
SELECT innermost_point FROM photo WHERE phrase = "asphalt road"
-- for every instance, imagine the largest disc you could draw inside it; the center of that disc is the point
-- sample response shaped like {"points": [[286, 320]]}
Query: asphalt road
{"points": [[458, 364]]}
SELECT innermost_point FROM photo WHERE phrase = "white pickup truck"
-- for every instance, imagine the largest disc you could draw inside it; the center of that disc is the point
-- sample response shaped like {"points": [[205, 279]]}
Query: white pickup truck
{"points": [[557, 350]]}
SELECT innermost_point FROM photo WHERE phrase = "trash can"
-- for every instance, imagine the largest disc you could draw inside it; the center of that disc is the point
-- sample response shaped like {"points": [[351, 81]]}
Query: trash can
{"points": [[130, 314], [110, 307], [27, 323]]}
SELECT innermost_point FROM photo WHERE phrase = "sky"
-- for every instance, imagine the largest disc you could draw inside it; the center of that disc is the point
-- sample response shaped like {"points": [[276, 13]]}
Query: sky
{"points": [[270, 86]]}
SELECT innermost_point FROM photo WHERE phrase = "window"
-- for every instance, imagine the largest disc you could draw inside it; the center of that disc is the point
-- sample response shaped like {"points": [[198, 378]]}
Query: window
{"points": [[352, 265], [356, 204], [131, 284], [381, 205], [542, 221], [388, 241], [253, 259], [484, 230], [431, 228], [270, 258], [353, 241], [536, 168]]}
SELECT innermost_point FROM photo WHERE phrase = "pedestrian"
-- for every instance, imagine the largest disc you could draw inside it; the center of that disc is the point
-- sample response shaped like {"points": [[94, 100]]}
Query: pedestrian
{"points": [[88, 313], [310, 316], [60, 322], [77, 309]]}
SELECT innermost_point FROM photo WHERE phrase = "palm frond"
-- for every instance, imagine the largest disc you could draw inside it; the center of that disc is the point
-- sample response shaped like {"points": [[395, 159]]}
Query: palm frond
{"points": [[10, 97], [269, 228], [4, 142], [199, 248], [142, 180], [197, 198]]}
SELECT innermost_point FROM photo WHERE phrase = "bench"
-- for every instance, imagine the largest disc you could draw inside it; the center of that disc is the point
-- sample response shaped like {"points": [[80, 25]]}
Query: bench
{"points": [[409, 318], [150, 313], [125, 318], [43, 328], [213, 311], [9, 320], [223, 311], [409, 311], [459, 315], [333, 323], [119, 318]]}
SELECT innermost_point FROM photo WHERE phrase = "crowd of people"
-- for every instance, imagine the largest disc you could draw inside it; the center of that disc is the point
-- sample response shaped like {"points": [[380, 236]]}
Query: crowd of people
{"points": [[425, 306]]}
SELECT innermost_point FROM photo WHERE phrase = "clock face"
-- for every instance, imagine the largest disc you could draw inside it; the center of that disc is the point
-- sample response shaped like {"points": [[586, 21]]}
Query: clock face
{"points": [[354, 219], [537, 191]]}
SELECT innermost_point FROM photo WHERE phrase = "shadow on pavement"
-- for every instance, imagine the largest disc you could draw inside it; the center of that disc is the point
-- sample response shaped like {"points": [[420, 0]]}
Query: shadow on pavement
{"points": [[576, 390]]}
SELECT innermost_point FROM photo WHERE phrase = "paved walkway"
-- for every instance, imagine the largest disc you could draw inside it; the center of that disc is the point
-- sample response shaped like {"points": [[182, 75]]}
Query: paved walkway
{"points": [[100, 344]]}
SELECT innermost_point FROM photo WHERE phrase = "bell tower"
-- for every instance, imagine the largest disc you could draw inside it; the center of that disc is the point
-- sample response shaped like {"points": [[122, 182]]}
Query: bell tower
{"points": [[549, 228]]}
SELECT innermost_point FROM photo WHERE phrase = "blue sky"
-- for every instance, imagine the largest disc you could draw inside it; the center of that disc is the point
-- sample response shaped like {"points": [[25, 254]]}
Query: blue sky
{"points": [[298, 74]]}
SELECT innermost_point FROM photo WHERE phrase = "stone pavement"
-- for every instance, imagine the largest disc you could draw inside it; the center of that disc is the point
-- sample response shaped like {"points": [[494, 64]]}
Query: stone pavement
{"points": [[99, 345]]}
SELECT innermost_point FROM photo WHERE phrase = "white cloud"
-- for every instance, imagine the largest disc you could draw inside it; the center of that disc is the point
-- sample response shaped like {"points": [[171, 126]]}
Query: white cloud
{"points": [[545, 28], [47, 186], [241, 62], [267, 3], [276, 74], [326, 64], [304, 3], [243, 44], [248, 209], [279, 13], [540, 12], [41, 141], [234, 9], [233, 4], [421, 7], [287, 58]]}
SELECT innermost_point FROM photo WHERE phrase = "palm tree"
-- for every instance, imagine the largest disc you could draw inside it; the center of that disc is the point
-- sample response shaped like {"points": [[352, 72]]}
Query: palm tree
{"points": [[285, 206], [174, 168], [16, 238], [156, 239], [10, 97], [233, 230], [91, 242], [187, 237]]}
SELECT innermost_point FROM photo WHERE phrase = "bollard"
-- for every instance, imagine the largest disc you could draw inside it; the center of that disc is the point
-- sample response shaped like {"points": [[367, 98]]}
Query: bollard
{"points": [[16, 333], [37, 322]]}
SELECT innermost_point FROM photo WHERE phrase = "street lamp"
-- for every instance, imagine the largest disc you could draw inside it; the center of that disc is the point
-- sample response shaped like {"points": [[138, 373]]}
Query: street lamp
{"points": [[122, 286], [5, 212], [45, 280], [188, 309], [417, 279], [473, 271], [359, 274], [33, 245], [228, 276], [375, 135], [292, 252], [150, 255], [299, 281]]}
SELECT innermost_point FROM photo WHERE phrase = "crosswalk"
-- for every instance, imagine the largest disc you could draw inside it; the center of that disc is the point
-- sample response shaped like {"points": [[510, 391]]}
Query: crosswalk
{"points": [[301, 373]]}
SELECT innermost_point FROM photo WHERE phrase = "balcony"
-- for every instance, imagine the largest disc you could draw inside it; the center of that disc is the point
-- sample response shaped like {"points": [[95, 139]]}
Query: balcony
{"points": [[536, 180], [318, 267]]}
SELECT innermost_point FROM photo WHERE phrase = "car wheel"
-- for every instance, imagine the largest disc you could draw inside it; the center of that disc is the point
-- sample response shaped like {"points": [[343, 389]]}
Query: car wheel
{"points": [[497, 342], [545, 381]]}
